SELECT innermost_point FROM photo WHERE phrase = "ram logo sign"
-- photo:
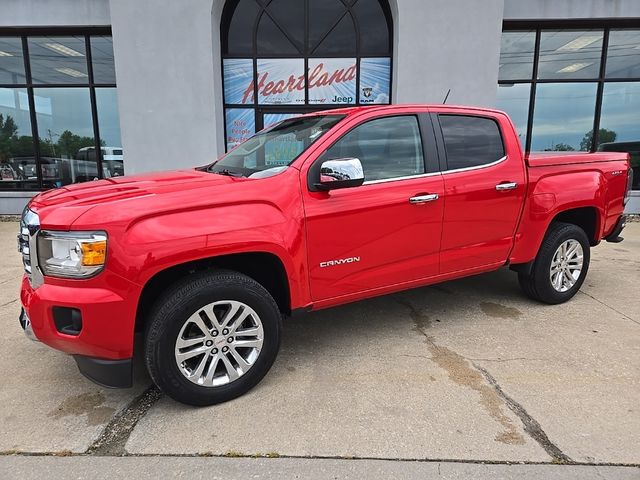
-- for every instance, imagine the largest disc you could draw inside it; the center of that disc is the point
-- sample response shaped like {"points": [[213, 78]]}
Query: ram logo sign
{"points": [[341, 261]]}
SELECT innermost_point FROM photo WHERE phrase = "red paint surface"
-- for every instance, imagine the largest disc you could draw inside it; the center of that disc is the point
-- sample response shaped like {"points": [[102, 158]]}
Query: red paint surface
{"points": [[161, 220]]}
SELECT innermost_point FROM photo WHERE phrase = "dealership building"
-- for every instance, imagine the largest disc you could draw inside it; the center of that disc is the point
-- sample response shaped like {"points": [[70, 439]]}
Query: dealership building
{"points": [[101, 88]]}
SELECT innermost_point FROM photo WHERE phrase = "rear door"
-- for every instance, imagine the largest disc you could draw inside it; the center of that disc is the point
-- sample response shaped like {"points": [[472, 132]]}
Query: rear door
{"points": [[484, 182]]}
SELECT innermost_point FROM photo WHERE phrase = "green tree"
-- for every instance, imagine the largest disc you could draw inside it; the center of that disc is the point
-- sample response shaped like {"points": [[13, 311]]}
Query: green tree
{"points": [[604, 136], [8, 131], [560, 147], [67, 146]]}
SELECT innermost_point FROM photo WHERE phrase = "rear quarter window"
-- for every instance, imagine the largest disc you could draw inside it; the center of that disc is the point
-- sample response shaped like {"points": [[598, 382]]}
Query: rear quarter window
{"points": [[471, 141]]}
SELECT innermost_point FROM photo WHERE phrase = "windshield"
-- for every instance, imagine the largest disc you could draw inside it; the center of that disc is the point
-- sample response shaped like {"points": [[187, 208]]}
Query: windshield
{"points": [[273, 149]]}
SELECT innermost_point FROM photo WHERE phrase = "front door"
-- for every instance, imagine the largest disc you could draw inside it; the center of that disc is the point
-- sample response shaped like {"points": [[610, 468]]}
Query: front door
{"points": [[387, 231]]}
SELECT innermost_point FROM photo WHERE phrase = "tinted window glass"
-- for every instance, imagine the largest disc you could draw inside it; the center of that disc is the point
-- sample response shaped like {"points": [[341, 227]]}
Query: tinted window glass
{"points": [[387, 147], [239, 40], [271, 40], [289, 15], [109, 126], [341, 40], [516, 55], [17, 160], [11, 60], [102, 59], [623, 56], [513, 98], [470, 141], [66, 135], [563, 116], [58, 60], [323, 15], [374, 32], [570, 53]]}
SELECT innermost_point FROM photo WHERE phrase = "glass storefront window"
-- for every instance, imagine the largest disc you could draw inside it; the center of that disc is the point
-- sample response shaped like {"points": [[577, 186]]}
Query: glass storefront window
{"points": [[301, 56], [109, 126], [620, 123], [11, 61], [102, 59], [17, 160], [48, 89], [67, 142], [513, 98], [623, 55], [570, 54], [563, 116], [516, 55], [58, 60]]}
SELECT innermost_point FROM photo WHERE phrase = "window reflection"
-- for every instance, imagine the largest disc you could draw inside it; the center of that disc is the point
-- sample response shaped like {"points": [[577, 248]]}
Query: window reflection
{"points": [[563, 116], [58, 60], [17, 160], [513, 98], [569, 54], [11, 60], [109, 126], [623, 55], [620, 123], [516, 55], [102, 59], [67, 143]]}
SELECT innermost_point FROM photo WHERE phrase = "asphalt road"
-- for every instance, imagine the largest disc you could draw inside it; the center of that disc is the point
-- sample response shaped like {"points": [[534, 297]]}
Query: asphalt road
{"points": [[468, 371]]}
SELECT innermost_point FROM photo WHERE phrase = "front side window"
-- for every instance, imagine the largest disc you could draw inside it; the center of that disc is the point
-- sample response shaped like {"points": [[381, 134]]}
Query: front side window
{"points": [[471, 141], [387, 147], [274, 148]]}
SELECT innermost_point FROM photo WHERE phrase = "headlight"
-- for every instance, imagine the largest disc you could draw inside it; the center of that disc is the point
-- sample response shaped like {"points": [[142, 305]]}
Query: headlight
{"points": [[71, 254]]}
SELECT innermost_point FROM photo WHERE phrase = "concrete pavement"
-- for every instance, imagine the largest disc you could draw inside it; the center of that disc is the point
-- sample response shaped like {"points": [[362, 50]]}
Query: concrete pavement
{"points": [[469, 370], [193, 468]]}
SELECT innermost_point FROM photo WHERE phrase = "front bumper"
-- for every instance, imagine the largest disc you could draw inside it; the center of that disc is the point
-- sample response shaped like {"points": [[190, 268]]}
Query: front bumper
{"points": [[103, 348]]}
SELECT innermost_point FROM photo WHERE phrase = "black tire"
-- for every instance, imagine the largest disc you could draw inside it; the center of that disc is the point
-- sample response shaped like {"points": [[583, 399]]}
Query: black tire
{"points": [[173, 309], [537, 285]]}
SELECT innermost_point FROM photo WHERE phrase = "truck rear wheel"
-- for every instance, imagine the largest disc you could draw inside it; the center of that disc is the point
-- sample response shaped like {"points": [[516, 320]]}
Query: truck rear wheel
{"points": [[212, 337], [560, 267]]}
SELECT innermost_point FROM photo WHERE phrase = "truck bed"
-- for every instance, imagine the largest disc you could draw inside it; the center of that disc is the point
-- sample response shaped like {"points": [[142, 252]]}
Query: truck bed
{"points": [[548, 159]]}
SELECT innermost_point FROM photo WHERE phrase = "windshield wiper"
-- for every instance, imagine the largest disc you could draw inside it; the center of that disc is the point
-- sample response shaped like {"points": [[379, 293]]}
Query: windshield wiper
{"points": [[229, 173]]}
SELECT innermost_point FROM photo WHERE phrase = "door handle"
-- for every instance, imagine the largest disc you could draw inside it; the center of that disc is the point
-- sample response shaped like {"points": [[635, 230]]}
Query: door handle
{"points": [[506, 186], [424, 198]]}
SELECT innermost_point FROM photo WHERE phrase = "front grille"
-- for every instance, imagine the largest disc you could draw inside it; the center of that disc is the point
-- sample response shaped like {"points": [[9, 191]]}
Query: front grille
{"points": [[29, 226]]}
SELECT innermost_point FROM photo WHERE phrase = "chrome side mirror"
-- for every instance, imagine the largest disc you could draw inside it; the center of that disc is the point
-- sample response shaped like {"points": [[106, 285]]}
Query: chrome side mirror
{"points": [[340, 173]]}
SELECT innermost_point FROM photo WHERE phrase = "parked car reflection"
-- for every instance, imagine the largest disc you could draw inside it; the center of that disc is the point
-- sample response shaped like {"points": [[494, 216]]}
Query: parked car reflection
{"points": [[57, 172]]}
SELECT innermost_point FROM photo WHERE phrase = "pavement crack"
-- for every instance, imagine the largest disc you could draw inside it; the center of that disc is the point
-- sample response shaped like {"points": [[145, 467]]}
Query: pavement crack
{"points": [[462, 372], [115, 434], [9, 303], [531, 426], [609, 307]]}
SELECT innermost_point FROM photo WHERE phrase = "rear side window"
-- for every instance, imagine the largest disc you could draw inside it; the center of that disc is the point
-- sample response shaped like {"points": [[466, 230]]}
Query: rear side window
{"points": [[388, 147], [470, 141]]}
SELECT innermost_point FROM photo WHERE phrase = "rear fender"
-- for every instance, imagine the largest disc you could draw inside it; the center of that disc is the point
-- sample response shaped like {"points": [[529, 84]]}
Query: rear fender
{"points": [[550, 197]]}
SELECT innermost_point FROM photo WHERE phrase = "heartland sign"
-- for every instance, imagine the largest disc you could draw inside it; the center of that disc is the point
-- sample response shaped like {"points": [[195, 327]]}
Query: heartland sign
{"points": [[330, 80], [282, 81]]}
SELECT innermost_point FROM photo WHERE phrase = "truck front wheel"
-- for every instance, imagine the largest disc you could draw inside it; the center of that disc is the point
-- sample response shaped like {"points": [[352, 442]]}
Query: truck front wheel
{"points": [[560, 267], [212, 337]]}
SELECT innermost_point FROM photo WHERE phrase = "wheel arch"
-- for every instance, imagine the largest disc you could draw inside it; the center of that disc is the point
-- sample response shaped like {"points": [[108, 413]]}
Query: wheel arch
{"points": [[264, 267]]}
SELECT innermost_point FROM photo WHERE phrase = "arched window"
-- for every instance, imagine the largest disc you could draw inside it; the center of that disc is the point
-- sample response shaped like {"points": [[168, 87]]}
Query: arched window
{"points": [[286, 57]]}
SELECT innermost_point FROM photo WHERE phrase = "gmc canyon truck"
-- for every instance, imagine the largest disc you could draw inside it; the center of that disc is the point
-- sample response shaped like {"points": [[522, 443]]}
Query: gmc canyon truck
{"points": [[313, 212]]}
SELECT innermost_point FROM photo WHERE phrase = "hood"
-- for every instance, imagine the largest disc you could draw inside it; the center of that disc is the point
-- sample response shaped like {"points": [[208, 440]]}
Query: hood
{"points": [[123, 198]]}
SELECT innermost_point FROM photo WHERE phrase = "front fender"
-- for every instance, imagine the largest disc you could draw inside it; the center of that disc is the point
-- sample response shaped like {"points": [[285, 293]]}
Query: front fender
{"points": [[155, 243]]}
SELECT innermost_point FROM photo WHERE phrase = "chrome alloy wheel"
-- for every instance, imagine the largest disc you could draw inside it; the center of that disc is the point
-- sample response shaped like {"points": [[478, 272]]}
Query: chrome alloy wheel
{"points": [[566, 265], [219, 343]]}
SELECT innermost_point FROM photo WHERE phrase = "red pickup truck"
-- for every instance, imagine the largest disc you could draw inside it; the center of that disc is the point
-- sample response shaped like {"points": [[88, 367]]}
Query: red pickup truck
{"points": [[315, 211]]}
